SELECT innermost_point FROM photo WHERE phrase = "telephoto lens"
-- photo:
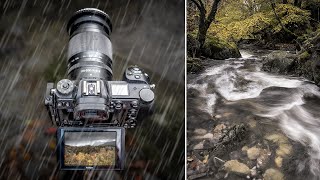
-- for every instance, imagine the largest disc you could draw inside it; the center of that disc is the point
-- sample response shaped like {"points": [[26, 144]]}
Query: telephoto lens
{"points": [[90, 49]]}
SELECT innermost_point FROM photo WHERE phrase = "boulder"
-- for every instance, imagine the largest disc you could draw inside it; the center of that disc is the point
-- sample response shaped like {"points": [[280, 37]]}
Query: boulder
{"points": [[194, 65], [278, 161], [284, 147], [284, 150], [236, 167], [213, 48], [273, 174], [253, 153], [217, 49], [279, 62]]}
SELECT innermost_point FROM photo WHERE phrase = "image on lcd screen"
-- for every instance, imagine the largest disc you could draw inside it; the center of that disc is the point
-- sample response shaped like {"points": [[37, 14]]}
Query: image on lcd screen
{"points": [[90, 148]]}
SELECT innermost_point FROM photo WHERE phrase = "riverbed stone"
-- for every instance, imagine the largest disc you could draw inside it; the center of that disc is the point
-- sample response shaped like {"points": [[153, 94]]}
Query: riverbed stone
{"points": [[282, 141], [264, 158], [253, 153], [273, 174], [219, 128], [217, 131], [244, 148], [199, 145], [252, 123], [284, 150], [277, 138], [200, 131], [208, 136], [278, 161], [236, 167]]}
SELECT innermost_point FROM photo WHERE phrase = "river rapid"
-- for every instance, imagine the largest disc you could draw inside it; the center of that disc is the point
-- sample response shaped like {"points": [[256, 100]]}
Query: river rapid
{"points": [[282, 113]]}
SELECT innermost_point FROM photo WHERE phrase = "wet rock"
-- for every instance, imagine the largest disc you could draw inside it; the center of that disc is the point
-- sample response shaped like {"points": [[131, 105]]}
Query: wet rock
{"points": [[277, 138], [253, 171], [273, 174], [227, 114], [264, 158], [189, 159], [252, 123], [220, 175], [200, 131], [278, 62], [216, 162], [196, 176], [199, 145], [213, 48], [253, 153], [235, 134], [202, 168], [278, 161], [219, 128], [236, 167], [235, 155], [284, 150], [206, 159], [244, 148], [193, 45], [216, 49], [194, 65], [218, 116], [217, 132], [208, 136]]}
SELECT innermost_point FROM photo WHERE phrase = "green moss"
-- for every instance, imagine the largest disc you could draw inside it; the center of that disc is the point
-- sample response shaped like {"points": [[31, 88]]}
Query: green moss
{"points": [[304, 56], [194, 65]]}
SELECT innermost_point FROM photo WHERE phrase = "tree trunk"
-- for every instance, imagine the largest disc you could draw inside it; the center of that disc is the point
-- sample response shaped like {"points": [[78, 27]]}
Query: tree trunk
{"points": [[204, 22], [202, 32], [297, 3]]}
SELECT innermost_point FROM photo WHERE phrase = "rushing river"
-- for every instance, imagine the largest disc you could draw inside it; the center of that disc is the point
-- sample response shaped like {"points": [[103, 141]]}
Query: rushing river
{"points": [[237, 90]]}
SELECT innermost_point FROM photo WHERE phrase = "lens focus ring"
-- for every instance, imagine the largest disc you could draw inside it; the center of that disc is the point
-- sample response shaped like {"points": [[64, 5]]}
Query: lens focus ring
{"points": [[90, 49]]}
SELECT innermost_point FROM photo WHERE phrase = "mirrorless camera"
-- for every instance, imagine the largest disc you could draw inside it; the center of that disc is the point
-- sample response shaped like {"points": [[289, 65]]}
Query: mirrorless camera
{"points": [[91, 110]]}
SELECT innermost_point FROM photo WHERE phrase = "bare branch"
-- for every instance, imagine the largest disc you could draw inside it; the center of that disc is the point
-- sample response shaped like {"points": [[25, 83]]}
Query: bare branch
{"points": [[199, 4]]}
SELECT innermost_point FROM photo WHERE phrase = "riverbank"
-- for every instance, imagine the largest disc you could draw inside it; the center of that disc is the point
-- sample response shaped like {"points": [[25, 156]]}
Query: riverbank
{"points": [[242, 122]]}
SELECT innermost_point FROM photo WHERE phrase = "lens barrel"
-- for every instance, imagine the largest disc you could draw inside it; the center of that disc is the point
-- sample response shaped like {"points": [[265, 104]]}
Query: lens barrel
{"points": [[90, 48]]}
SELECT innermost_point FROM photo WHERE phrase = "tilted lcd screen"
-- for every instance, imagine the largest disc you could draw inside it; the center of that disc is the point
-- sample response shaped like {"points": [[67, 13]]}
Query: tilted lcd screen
{"points": [[81, 148], [90, 148]]}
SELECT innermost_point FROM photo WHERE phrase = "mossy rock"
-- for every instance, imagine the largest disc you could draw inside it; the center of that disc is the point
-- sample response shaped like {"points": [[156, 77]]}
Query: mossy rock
{"points": [[304, 56], [194, 65], [279, 62], [215, 48], [192, 45]]}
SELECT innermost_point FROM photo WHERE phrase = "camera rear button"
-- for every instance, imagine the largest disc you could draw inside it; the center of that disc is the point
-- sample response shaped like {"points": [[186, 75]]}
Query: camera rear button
{"points": [[137, 76]]}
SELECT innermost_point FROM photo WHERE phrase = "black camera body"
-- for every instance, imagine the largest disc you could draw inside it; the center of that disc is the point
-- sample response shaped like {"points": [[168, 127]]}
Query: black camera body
{"points": [[96, 102], [89, 102]]}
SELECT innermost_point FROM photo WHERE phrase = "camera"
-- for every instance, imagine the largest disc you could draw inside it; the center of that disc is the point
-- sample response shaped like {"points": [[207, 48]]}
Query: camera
{"points": [[90, 109]]}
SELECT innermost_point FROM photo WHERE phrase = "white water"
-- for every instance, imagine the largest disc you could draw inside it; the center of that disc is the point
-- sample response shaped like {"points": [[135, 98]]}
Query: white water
{"points": [[233, 82]]}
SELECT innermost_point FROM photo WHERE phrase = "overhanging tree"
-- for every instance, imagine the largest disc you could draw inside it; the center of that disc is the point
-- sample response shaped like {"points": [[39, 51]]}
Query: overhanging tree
{"points": [[205, 21]]}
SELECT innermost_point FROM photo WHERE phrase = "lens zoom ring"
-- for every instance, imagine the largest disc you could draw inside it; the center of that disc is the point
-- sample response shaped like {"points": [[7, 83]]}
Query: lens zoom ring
{"points": [[89, 41]]}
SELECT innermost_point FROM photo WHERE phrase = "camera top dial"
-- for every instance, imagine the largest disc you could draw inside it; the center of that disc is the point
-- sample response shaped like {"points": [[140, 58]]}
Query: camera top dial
{"points": [[65, 86]]}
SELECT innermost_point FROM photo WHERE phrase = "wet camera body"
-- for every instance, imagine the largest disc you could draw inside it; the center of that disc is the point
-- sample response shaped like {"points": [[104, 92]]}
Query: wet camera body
{"points": [[90, 108], [95, 102]]}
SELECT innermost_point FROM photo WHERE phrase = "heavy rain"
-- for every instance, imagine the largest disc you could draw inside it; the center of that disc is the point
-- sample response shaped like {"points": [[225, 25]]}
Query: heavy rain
{"points": [[33, 46]]}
